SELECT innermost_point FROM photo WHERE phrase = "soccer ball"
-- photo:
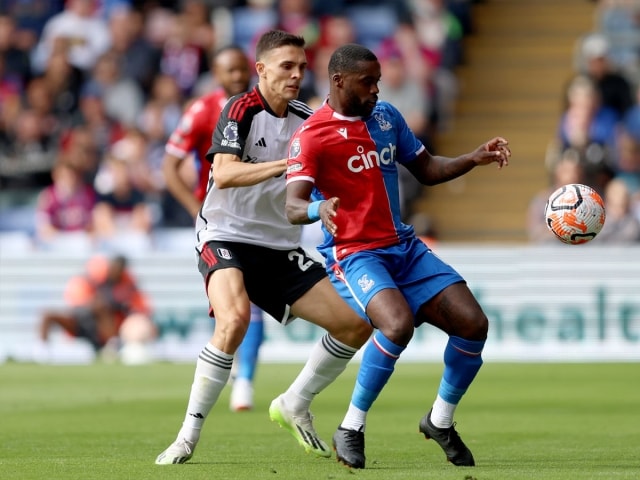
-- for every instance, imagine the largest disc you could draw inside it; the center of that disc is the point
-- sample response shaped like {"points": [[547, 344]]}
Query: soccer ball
{"points": [[575, 213]]}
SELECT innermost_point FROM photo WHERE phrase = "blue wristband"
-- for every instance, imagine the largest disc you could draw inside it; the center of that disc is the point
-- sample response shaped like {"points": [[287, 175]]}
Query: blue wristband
{"points": [[313, 211]]}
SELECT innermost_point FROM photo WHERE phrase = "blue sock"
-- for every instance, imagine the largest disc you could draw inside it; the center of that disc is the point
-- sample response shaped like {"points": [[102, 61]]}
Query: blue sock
{"points": [[462, 360], [378, 361], [248, 350]]}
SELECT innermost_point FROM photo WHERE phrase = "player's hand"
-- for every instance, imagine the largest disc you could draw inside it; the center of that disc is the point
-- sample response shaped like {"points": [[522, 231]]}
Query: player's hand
{"points": [[328, 211], [495, 150]]}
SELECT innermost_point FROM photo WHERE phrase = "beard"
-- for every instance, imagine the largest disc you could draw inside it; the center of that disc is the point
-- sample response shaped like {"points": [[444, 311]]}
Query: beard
{"points": [[355, 107]]}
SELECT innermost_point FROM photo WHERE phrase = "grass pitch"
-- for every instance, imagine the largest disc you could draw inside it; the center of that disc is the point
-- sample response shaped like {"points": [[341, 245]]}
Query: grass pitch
{"points": [[522, 421]]}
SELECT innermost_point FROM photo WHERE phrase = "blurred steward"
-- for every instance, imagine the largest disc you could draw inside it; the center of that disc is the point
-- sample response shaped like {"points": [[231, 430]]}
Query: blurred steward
{"points": [[98, 303]]}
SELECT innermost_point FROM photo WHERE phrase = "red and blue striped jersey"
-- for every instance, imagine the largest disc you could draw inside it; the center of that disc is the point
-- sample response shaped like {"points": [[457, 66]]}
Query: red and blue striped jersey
{"points": [[356, 159]]}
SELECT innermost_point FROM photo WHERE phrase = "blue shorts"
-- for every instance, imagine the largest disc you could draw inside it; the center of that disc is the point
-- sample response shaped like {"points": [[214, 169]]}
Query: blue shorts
{"points": [[410, 267]]}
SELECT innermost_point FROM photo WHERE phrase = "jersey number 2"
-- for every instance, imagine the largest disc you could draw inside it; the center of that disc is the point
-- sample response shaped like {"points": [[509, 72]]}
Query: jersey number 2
{"points": [[303, 262]]}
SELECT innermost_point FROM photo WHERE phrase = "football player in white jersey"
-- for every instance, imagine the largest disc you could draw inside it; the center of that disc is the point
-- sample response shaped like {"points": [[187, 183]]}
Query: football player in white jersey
{"points": [[231, 69], [249, 252]]}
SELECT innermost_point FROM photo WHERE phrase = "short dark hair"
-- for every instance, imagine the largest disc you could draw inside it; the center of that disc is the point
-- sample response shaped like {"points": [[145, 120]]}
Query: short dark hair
{"points": [[276, 39], [346, 58]]}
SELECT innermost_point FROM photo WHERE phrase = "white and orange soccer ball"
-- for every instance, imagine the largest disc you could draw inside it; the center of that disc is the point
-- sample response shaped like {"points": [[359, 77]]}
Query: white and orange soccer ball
{"points": [[575, 213]]}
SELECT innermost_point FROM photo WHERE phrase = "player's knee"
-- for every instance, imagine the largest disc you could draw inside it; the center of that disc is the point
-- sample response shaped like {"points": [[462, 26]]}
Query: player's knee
{"points": [[238, 325], [475, 328], [232, 327], [399, 332]]}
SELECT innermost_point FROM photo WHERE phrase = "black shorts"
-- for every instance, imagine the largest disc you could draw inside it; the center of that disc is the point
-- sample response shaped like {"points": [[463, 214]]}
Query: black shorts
{"points": [[86, 326], [274, 279]]}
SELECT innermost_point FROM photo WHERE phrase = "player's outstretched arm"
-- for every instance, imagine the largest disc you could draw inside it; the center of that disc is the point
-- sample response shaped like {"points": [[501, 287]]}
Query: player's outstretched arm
{"points": [[432, 170], [229, 171]]}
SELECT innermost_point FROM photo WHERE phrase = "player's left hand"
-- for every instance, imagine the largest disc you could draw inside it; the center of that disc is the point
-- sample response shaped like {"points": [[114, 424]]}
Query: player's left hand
{"points": [[328, 211], [495, 150]]}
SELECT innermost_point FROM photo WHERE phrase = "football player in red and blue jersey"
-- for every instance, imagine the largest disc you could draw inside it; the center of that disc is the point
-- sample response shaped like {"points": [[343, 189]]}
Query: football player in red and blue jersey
{"points": [[343, 170]]}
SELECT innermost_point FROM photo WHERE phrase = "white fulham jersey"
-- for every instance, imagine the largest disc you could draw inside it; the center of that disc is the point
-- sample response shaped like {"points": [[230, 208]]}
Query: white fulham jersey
{"points": [[249, 129]]}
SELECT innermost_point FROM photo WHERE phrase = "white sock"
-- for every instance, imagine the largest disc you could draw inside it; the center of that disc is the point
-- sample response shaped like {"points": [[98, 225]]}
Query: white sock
{"points": [[327, 360], [212, 373], [442, 413], [355, 419]]}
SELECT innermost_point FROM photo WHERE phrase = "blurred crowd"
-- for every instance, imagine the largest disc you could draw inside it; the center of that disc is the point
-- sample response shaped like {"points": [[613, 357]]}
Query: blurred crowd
{"points": [[598, 134], [90, 91]]}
